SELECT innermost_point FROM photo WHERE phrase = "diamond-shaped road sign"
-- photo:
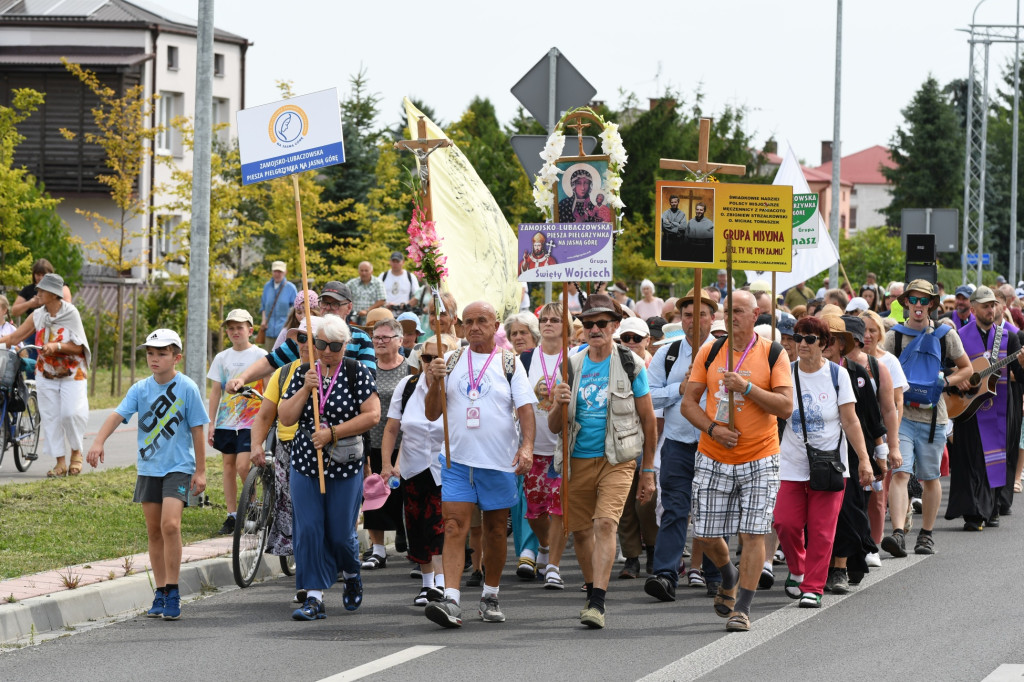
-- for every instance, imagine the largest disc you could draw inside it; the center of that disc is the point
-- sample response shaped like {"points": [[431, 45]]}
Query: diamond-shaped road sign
{"points": [[529, 147]]}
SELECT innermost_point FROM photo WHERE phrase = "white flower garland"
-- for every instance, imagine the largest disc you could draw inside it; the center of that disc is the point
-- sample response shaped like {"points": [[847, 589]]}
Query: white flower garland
{"points": [[611, 146]]}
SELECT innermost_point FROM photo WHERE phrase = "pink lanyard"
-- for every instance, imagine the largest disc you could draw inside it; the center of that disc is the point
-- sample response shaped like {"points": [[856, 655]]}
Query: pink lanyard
{"points": [[319, 385], [743, 357], [474, 383], [550, 382]]}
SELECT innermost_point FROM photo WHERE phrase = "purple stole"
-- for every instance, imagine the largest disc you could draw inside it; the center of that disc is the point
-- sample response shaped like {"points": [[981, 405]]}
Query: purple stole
{"points": [[960, 324], [992, 413]]}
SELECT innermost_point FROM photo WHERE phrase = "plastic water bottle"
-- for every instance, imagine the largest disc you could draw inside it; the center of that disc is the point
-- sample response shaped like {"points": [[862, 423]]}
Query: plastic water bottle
{"points": [[393, 481]]}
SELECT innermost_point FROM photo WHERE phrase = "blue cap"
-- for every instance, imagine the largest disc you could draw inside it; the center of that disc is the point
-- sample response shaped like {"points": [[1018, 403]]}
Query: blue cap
{"points": [[786, 325], [408, 318], [964, 290]]}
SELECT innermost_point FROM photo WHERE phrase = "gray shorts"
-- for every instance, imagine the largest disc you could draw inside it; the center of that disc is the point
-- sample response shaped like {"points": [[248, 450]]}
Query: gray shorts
{"points": [[155, 488]]}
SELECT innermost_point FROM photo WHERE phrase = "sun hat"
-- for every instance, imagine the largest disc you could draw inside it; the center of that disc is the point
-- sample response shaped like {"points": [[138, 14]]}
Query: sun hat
{"points": [[837, 328], [601, 303], [51, 283], [704, 298], [375, 316], [673, 332], [855, 325]]}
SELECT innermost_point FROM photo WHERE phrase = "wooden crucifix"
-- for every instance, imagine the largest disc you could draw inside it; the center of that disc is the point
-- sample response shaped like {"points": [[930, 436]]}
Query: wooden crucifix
{"points": [[579, 125], [423, 147], [702, 169]]}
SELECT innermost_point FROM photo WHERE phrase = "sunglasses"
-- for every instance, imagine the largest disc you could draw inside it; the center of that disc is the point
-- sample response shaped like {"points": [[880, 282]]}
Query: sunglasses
{"points": [[811, 339], [631, 338], [335, 346], [384, 339], [600, 324], [552, 320], [919, 300], [302, 338], [427, 358]]}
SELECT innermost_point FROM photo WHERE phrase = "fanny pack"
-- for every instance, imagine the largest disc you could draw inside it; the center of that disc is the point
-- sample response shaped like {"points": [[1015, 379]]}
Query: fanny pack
{"points": [[346, 451], [826, 466]]}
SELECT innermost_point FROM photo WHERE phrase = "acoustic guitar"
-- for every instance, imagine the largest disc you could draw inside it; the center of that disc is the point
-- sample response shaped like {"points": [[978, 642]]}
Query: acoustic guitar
{"points": [[962, 405]]}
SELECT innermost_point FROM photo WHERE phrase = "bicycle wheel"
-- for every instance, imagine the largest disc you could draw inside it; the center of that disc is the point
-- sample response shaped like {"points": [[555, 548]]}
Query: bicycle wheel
{"points": [[5, 431], [26, 430], [251, 531], [288, 565]]}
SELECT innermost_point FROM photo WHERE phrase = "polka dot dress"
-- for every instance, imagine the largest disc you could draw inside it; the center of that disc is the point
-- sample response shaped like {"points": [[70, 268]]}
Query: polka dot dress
{"points": [[343, 403]]}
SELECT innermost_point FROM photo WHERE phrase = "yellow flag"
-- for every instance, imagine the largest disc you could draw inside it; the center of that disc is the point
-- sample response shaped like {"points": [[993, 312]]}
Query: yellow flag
{"points": [[478, 242]]}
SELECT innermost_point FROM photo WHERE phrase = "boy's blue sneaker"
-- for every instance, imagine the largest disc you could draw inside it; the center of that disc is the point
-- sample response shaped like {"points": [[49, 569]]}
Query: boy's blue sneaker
{"points": [[157, 610], [172, 605], [313, 609], [353, 595]]}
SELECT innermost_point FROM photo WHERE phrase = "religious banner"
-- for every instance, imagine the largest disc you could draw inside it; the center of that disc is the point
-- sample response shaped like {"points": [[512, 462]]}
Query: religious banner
{"points": [[479, 244], [805, 228], [697, 219], [565, 252]]}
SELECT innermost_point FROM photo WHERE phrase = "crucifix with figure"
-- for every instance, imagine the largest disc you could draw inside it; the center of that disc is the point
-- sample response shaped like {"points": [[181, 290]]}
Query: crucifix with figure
{"points": [[423, 147], [702, 169]]}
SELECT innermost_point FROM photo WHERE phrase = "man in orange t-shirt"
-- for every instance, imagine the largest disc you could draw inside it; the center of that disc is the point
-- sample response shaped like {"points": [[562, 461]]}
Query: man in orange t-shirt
{"points": [[736, 473]]}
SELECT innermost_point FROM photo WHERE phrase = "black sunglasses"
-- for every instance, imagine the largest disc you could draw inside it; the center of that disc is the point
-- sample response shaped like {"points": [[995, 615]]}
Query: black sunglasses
{"points": [[302, 338], [811, 339], [427, 358], [600, 324], [335, 346], [631, 338]]}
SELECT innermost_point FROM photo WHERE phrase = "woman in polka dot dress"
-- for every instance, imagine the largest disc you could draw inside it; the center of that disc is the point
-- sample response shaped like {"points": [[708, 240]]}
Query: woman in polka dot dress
{"points": [[324, 526]]}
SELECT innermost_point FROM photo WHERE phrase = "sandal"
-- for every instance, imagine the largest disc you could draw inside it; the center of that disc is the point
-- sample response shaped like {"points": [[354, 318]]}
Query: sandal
{"points": [[738, 622], [58, 471], [724, 601], [76, 465], [1017, 487]]}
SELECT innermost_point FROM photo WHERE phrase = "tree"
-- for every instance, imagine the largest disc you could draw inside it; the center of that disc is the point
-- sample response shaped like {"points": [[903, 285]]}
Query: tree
{"points": [[928, 153], [45, 235], [21, 201], [127, 142]]}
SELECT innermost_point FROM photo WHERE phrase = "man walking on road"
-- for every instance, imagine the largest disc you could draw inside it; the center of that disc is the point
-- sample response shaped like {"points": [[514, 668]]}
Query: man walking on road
{"points": [[484, 385], [736, 477]]}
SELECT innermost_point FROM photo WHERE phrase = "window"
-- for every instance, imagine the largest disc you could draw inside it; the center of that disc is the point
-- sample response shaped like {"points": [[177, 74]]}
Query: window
{"points": [[853, 218], [161, 242], [218, 64], [222, 118], [172, 58], [168, 140]]}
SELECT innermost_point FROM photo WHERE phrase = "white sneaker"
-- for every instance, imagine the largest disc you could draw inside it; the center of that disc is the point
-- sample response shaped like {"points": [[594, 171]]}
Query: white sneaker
{"points": [[873, 560]]}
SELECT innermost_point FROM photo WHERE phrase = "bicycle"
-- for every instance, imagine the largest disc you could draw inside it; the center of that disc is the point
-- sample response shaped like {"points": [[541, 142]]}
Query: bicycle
{"points": [[256, 514], [19, 428]]}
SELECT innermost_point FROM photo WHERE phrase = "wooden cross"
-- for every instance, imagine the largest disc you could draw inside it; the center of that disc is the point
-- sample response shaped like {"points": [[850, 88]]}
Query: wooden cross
{"points": [[702, 168], [689, 196], [423, 148], [579, 125]]}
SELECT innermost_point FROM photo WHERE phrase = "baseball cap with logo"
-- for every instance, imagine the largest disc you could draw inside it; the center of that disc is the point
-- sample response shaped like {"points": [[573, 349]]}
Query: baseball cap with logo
{"points": [[397, 255], [337, 291], [983, 294], [161, 338], [963, 290]]}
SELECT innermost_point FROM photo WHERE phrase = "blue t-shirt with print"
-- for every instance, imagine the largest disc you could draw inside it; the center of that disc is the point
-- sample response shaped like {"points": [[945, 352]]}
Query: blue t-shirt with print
{"points": [[592, 405], [167, 413]]}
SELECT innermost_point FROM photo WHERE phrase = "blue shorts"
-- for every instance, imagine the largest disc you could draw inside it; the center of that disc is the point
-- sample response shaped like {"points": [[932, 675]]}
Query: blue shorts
{"points": [[921, 458], [487, 488], [231, 441]]}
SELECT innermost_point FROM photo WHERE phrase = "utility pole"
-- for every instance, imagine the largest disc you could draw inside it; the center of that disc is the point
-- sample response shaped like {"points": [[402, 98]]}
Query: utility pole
{"points": [[199, 235], [833, 223]]}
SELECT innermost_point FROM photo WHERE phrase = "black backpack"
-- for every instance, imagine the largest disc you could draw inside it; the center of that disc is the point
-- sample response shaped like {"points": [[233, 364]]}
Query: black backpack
{"points": [[773, 353], [628, 364]]}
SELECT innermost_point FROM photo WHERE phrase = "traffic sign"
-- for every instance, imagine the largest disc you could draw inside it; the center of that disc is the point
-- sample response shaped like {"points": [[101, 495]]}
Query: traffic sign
{"points": [[972, 259], [568, 87], [529, 147]]}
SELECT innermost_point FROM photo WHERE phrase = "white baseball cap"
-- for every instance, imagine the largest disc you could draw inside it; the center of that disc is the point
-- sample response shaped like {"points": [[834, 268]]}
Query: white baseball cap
{"points": [[634, 325], [161, 338]]}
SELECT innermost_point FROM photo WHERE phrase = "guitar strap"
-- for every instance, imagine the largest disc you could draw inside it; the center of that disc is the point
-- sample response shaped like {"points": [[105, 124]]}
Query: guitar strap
{"points": [[994, 354]]}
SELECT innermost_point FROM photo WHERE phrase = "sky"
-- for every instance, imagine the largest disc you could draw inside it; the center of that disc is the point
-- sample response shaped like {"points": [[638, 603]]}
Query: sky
{"points": [[776, 59]]}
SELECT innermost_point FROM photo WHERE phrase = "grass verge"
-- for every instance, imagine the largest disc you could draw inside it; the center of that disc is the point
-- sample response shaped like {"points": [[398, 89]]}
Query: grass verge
{"points": [[55, 523]]}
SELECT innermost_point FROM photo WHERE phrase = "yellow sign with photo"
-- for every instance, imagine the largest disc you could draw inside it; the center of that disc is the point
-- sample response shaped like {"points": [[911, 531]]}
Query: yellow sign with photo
{"points": [[699, 218]]}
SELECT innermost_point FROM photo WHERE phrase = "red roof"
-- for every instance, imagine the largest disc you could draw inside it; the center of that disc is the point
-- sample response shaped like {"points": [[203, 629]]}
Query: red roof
{"points": [[818, 175], [862, 168]]}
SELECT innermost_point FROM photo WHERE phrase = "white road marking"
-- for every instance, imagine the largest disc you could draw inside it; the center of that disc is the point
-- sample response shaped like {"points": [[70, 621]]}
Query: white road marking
{"points": [[733, 645], [380, 664], [1008, 672]]}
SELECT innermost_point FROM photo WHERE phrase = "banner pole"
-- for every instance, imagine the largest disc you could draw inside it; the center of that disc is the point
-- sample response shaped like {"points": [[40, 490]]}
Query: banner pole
{"points": [[444, 396], [309, 325], [728, 284], [695, 307], [773, 305], [564, 493]]}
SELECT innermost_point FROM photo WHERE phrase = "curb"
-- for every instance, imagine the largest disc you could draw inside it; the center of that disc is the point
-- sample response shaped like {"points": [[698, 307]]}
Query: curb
{"points": [[119, 599]]}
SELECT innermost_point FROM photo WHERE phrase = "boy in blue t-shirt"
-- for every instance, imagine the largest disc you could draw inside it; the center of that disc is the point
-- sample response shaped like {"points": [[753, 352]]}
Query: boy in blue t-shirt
{"points": [[172, 458]]}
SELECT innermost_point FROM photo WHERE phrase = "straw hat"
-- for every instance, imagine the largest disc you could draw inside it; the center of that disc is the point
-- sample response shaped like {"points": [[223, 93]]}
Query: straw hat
{"points": [[837, 328], [375, 316], [704, 298]]}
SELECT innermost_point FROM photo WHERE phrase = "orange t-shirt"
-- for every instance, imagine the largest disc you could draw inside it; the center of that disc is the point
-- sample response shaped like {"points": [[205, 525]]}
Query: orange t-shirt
{"points": [[759, 431]]}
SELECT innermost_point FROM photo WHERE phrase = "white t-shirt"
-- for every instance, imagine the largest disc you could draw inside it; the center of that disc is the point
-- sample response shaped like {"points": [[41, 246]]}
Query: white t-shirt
{"points": [[546, 441], [494, 443], [422, 440], [892, 363], [823, 426], [235, 411], [398, 288]]}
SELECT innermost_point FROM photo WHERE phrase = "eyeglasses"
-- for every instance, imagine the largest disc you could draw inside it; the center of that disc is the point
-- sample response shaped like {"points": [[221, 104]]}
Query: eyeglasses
{"points": [[811, 339], [327, 303], [631, 338], [427, 358], [551, 320], [335, 346], [384, 339], [919, 300], [600, 324], [302, 338]]}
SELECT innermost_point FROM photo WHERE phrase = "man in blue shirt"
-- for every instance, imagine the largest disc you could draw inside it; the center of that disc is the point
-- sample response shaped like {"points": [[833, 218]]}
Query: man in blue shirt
{"points": [[667, 375], [277, 301]]}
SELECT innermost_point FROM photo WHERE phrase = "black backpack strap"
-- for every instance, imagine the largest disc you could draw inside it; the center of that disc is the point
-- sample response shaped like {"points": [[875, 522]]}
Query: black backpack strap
{"points": [[628, 363], [410, 387], [715, 347], [773, 354], [351, 373], [527, 360], [897, 344], [875, 374], [673, 355]]}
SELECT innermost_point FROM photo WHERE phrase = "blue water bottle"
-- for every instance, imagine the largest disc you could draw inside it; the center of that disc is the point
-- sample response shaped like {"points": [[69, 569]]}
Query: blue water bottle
{"points": [[393, 482]]}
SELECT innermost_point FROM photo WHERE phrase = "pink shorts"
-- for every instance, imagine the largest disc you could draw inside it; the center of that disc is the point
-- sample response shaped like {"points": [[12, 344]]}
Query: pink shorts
{"points": [[542, 492]]}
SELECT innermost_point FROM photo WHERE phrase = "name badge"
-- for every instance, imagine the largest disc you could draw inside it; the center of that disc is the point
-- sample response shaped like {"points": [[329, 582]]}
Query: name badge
{"points": [[472, 417], [722, 412]]}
